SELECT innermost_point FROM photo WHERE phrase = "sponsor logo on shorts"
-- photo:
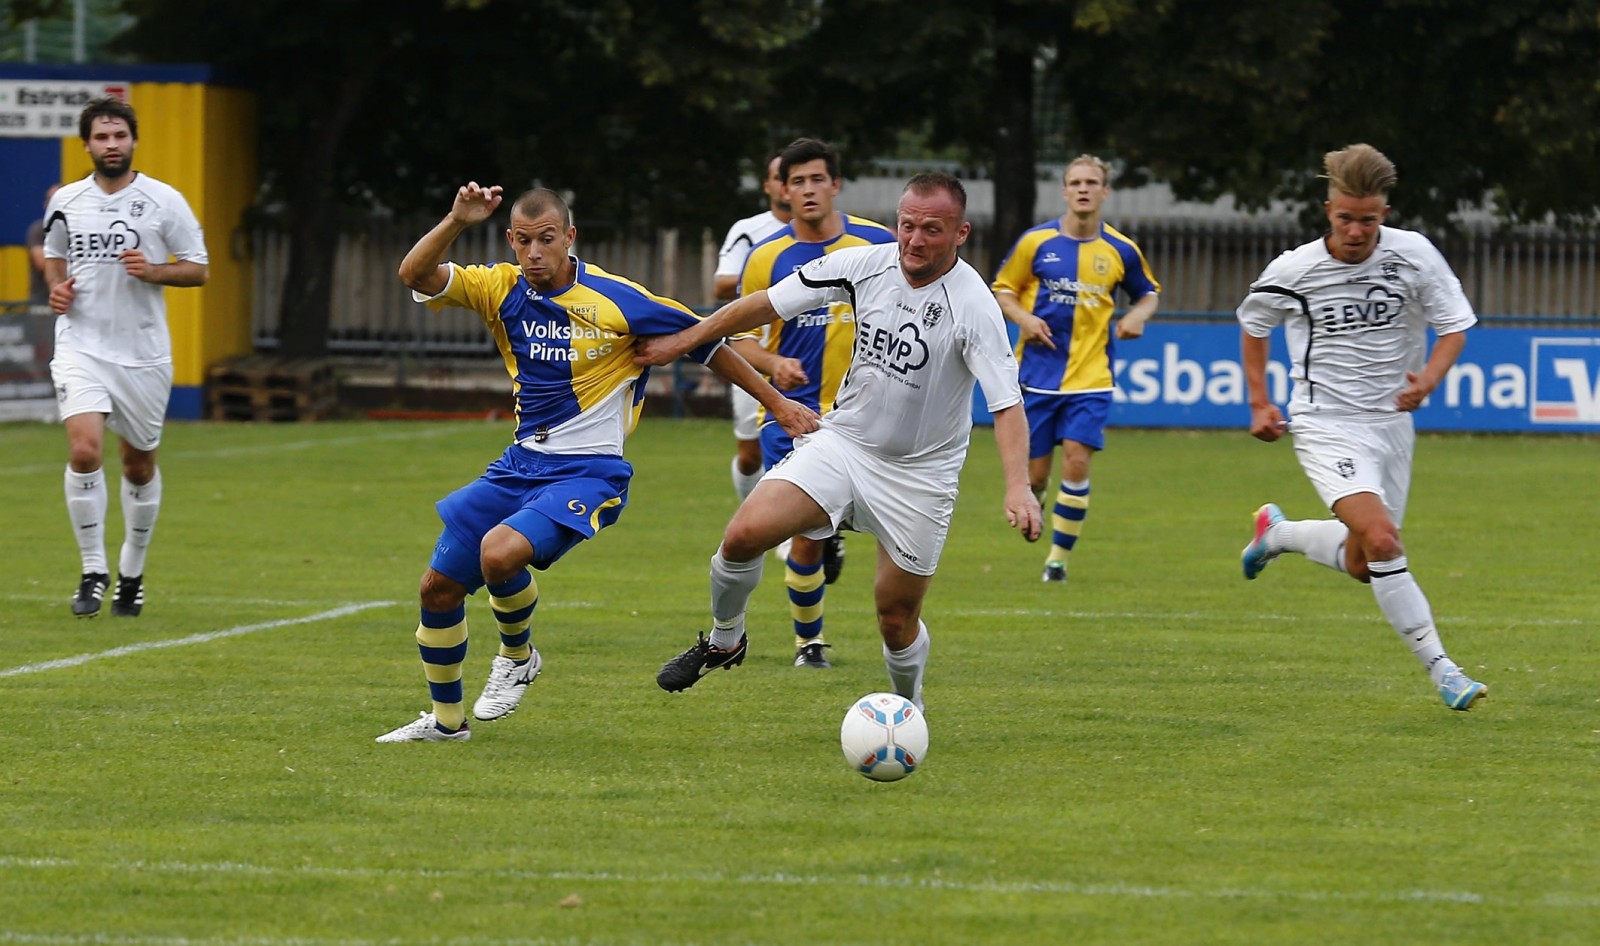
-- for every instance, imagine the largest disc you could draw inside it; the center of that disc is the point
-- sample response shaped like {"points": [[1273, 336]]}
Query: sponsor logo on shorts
{"points": [[906, 555]]}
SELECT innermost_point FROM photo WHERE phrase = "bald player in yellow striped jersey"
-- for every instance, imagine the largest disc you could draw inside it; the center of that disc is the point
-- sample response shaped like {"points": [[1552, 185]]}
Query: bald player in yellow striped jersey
{"points": [[1058, 284], [566, 331], [806, 357]]}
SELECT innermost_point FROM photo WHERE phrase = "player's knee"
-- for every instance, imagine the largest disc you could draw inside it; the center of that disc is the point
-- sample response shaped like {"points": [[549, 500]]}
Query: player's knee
{"points": [[501, 560], [439, 593], [83, 456]]}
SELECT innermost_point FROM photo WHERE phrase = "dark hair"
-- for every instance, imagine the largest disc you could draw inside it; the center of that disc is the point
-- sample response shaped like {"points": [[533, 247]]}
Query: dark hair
{"points": [[107, 108], [805, 150], [542, 200], [929, 181]]}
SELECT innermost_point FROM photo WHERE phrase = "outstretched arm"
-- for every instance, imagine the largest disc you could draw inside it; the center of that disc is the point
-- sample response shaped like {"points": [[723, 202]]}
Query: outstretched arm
{"points": [[1011, 437], [423, 269], [794, 417], [740, 315]]}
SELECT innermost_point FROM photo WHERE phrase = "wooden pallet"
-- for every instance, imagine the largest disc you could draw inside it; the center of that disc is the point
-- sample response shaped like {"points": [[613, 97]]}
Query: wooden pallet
{"points": [[269, 389]]}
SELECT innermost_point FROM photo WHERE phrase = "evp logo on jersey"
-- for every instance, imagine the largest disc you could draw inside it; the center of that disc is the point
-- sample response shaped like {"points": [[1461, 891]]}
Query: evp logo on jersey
{"points": [[1378, 309], [1565, 381]]}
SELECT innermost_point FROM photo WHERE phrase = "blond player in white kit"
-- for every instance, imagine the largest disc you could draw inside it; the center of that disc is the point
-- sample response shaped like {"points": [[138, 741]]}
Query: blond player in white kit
{"points": [[889, 455], [112, 241], [1356, 306]]}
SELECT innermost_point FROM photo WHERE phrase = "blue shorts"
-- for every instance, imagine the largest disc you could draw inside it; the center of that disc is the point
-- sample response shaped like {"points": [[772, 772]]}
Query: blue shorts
{"points": [[1053, 418], [775, 444], [555, 501]]}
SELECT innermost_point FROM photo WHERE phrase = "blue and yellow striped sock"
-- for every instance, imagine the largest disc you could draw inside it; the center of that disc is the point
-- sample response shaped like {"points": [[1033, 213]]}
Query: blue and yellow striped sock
{"points": [[1066, 520], [442, 639], [513, 601], [805, 583]]}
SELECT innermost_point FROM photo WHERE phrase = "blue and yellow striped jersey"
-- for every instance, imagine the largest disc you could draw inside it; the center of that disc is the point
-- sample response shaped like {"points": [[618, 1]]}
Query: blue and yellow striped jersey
{"points": [[569, 353], [1069, 283], [820, 339]]}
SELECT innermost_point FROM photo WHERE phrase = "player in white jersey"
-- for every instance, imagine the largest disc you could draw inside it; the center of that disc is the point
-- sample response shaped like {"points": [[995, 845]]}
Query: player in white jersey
{"points": [[1356, 306], [889, 455], [112, 242], [736, 246]]}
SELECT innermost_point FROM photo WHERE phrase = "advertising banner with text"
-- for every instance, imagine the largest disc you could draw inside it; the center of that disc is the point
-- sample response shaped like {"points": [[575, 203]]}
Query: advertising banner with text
{"points": [[1529, 380]]}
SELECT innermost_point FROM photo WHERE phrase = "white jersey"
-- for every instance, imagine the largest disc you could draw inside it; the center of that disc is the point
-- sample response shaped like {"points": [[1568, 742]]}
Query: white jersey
{"points": [[743, 236], [115, 317], [908, 391], [1355, 329]]}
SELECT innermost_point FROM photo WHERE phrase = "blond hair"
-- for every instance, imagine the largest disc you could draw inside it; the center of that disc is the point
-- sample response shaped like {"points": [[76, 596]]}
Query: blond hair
{"points": [[1359, 171], [1093, 161]]}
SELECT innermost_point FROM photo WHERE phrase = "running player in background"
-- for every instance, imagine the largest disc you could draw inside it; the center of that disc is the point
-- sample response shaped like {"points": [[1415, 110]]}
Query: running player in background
{"points": [[1058, 285], [1356, 306], [112, 242], [889, 456], [566, 331], [806, 357], [736, 246]]}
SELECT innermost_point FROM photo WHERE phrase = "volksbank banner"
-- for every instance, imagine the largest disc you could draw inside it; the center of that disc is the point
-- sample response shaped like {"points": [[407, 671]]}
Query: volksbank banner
{"points": [[1532, 380]]}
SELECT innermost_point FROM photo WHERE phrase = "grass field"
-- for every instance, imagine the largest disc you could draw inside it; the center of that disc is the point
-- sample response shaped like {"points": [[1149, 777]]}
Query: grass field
{"points": [[1158, 753]]}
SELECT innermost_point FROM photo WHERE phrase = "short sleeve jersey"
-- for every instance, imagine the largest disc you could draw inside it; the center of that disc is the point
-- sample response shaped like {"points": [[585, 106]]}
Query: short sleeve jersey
{"points": [[569, 353], [820, 339], [917, 352], [1070, 283], [115, 317], [742, 238], [1354, 329]]}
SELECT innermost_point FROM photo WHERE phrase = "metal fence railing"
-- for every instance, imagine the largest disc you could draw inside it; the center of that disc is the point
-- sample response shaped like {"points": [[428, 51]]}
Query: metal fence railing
{"points": [[1547, 278]]}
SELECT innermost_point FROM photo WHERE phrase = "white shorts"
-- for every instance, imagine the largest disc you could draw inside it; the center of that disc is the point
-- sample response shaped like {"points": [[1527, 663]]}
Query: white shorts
{"points": [[746, 411], [907, 505], [1344, 455], [134, 400]]}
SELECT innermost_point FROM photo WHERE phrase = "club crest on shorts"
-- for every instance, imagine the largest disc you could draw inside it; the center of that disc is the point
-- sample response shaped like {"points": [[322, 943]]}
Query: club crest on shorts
{"points": [[1345, 467], [931, 313]]}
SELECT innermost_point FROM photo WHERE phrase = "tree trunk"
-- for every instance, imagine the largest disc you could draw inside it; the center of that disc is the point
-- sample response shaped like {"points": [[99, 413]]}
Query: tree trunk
{"points": [[1014, 187], [314, 218]]}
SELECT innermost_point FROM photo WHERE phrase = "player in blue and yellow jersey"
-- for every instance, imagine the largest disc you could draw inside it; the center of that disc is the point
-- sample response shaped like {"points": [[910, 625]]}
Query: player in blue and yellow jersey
{"points": [[566, 331], [808, 356], [1057, 285]]}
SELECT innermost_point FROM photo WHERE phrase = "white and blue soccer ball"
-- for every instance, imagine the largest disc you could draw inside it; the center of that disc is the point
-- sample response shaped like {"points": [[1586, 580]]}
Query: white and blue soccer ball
{"points": [[884, 736]]}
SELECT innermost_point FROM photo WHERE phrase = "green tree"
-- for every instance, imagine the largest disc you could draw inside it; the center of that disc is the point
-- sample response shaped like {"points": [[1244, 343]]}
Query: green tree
{"points": [[396, 110]]}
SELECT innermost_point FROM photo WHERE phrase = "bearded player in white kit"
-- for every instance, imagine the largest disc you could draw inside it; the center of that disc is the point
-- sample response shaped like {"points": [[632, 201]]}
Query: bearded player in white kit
{"points": [[112, 241], [889, 455], [1355, 307]]}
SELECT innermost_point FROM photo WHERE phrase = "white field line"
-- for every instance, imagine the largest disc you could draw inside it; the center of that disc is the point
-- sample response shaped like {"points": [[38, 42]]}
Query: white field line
{"points": [[252, 449], [191, 639], [265, 602], [1554, 901]]}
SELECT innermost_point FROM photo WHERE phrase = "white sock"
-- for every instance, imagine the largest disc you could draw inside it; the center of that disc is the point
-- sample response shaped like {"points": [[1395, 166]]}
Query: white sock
{"points": [[732, 583], [743, 483], [906, 666], [1321, 540], [1406, 607], [140, 507], [86, 508]]}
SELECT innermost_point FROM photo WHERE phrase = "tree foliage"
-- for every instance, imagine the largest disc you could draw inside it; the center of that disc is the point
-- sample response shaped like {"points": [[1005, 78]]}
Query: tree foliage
{"points": [[650, 113]]}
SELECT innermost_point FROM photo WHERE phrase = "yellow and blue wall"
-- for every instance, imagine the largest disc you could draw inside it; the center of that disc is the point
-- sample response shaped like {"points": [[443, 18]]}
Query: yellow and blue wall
{"points": [[199, 135]]}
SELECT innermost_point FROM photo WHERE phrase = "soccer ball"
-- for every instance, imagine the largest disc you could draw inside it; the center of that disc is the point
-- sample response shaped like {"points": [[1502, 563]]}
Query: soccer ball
{"points": [[884, 736]]}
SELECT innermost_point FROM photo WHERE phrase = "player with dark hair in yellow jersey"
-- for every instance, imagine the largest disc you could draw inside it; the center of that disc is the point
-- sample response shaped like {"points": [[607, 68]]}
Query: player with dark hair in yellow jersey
{"points": [[566, 331], [806, 357], [1057, 285]]}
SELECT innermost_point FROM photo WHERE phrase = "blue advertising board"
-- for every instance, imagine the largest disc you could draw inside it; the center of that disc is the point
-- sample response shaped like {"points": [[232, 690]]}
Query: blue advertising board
{"points": [[1530, 380]]}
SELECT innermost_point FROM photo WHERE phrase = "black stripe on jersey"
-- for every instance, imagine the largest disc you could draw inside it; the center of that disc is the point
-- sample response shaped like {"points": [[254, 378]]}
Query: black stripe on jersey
{"points": [[58, 215], [743, 237], [844, 284], [1305, 309]]}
